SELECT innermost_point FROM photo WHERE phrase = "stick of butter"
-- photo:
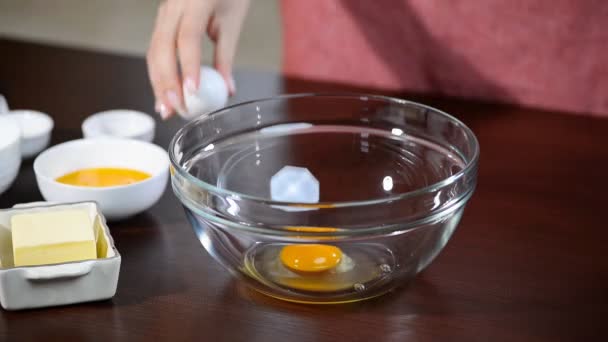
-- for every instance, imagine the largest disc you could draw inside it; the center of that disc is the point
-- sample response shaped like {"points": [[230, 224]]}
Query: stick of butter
{"points": [[52, 237]]}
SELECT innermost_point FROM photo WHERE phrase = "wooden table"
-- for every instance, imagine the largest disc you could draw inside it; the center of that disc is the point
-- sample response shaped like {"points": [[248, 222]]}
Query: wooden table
{"points": [[528, 261]]}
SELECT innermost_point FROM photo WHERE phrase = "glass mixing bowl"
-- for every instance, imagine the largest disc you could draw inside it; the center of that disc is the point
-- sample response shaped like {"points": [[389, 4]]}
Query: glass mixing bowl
{"points": [[324, 198]]}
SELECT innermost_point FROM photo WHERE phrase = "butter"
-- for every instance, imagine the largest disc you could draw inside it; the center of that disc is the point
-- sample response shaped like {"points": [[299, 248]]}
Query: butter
{"points": [[52, 237]]}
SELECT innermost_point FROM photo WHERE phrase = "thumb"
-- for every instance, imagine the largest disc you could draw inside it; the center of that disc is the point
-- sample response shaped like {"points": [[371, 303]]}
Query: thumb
{"points": [[225, 50], [226, 28]]}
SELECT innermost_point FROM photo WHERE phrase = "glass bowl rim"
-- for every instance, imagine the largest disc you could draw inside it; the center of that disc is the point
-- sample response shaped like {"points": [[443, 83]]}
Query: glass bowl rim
{"points": [[468, 169]]}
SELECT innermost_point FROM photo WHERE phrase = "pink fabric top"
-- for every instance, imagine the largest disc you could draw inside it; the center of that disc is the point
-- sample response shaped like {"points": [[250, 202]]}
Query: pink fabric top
{"points": [[550, 54]]}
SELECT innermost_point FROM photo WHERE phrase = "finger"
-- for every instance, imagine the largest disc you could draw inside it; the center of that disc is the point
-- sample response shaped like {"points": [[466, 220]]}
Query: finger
{"points": [[162, 57], [225, 50], [189, 43], [162, 108], [153, 73], [225, 32]]}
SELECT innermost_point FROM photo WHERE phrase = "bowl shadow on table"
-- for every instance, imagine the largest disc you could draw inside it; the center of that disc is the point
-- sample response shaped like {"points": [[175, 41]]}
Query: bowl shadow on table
{"points": [[256, 314], [394, 302], [143, 275]]}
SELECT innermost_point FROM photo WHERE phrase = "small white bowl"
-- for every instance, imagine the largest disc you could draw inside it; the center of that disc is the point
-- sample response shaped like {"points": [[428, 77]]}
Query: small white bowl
{"points": [[8, 178], [121, 123], [36, 130], [3, 105], [116, 202], [10, 152]]}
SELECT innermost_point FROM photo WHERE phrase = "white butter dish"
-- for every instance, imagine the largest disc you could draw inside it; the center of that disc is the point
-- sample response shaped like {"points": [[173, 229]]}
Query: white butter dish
{"points": [[59, 284]]}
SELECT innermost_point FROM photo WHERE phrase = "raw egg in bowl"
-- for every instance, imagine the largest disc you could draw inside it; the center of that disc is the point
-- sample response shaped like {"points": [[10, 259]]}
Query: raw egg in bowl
{"points": [[124, 176]]}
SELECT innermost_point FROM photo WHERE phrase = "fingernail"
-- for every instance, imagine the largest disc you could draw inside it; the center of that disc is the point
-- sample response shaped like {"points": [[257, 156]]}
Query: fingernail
{"points": [[172, 96], [190, 85], [157, 106], [231, 85], [163, 110], [174, 101]]}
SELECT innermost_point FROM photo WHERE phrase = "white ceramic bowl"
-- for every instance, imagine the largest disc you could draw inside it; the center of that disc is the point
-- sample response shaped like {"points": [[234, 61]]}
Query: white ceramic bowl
{"points": [[27, 287], [36, 130], [3, 105], [8, 178], [117, 202], [122, 123], [10, 152]]}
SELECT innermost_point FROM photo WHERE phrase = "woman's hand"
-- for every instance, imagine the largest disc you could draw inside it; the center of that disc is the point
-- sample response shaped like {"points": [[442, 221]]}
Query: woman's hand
{"points": [[177, 39]]}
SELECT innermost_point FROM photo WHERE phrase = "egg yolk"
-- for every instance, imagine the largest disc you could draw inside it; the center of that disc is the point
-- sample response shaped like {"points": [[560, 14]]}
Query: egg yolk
{"points": [[310, 258], [317, 206], [103, 177], [312, 229]]}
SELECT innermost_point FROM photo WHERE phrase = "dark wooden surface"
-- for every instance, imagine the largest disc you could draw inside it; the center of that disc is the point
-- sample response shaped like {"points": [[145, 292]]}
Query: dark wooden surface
{"points": [[528, 262]]}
